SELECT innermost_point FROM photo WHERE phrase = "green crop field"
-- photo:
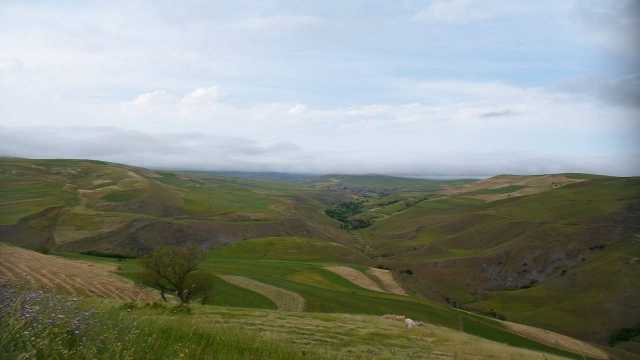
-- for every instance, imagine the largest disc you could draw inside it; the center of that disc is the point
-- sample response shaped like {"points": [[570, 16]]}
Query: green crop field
{"points": [[326, 292]]}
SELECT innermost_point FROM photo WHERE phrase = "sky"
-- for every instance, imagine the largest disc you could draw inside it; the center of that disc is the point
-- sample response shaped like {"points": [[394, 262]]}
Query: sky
{"points": [[403, 87]]}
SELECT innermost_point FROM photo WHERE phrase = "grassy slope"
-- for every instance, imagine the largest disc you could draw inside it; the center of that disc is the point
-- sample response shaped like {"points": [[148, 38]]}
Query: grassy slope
{"points": [[381, 182], [457, 232], [325, 292], [63, 329], [605, 288], [290, 248], [583, 230], [105, 330], [118, 209]]}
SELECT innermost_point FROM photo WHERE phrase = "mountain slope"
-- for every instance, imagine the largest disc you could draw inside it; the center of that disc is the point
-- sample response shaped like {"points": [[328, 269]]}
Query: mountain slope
{"points": [[548, 259]]}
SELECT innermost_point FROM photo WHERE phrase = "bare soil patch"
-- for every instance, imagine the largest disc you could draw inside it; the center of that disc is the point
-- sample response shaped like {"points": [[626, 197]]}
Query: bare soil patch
{"points": [[355, 276], [387, 280], [557, 340], [284, 299], [530, 185]]}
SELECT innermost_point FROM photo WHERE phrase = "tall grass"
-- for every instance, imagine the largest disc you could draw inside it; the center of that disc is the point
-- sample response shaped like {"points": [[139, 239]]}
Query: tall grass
{"points": [[49, 331]]}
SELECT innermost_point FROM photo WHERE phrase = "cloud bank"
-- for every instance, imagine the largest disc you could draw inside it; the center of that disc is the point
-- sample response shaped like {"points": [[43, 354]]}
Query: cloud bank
{"points": [[419, 88]]}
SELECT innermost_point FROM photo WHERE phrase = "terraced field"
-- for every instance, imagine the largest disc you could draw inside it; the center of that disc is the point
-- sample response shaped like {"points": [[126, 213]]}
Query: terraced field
{"points": [[77, 278], [292, 287], [326, 292]]}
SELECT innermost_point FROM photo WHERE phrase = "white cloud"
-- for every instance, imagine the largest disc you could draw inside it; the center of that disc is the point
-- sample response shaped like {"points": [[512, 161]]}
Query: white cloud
{"points": [[464, 128], [202, 96], [7, 65], [331, 97], [156, 97], [297, 109]]}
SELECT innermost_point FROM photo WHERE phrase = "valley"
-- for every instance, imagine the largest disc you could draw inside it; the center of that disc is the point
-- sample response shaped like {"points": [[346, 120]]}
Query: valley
{"points": [[557, 252]]}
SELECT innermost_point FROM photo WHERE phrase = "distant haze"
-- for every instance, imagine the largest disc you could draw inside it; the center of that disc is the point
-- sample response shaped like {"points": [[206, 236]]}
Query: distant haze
{"points": [[459, 88]]}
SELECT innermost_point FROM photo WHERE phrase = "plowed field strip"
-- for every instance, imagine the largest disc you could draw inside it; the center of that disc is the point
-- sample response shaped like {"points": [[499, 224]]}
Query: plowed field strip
{"points": [[284, 299], [387, 280], [355, 277], [70, 276]]}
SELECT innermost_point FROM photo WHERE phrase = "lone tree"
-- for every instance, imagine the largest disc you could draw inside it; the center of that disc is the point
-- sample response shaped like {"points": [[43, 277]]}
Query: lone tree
{"points": [[172, 269]]}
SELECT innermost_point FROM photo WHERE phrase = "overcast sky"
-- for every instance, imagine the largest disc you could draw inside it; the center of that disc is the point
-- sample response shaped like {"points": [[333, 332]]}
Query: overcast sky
{"points": [[441, 87]]}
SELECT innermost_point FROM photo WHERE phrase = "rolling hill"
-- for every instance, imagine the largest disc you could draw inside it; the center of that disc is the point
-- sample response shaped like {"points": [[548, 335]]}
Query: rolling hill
{"points": [[548, 258], [89, 206], [296, 302], [560, 252]]}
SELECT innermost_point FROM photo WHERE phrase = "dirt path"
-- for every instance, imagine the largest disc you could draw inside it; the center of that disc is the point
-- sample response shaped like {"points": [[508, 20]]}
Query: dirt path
{"points": [[355, 276], [284, 299], [387, 280]]}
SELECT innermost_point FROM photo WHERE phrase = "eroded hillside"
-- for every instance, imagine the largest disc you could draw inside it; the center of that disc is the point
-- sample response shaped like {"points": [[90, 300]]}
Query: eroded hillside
{"points": [[90, 206]]}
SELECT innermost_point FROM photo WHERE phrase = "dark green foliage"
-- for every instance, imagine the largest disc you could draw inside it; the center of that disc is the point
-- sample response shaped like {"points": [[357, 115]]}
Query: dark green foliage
{"points": [[357, 223], [345, 211], [624, 334], [106, 255], [173, 269], [201, 285]]}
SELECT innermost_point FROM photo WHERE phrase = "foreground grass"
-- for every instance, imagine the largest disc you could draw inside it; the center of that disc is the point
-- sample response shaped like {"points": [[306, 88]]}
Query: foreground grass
{"points": [[42, 326], [326, 292]]}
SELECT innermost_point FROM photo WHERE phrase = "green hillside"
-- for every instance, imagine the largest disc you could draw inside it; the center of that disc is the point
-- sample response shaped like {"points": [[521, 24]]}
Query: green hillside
{"points": [[559, 252], [326, 292], [545, 259], [90, 206], [381, 183]]}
